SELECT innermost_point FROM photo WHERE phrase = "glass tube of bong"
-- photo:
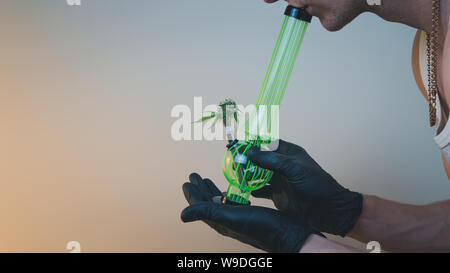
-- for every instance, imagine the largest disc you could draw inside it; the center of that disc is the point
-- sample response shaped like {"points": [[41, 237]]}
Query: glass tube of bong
{"points": [[280, 68], [242, 175]]}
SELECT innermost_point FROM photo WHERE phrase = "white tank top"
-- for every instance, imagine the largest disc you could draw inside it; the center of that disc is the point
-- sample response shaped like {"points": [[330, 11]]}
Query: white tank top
{"points": [[442, 138]]}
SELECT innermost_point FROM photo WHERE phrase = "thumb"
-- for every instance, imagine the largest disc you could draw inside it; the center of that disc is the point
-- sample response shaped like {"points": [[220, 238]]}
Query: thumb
{"points": [[271, 160], [200, 211]]}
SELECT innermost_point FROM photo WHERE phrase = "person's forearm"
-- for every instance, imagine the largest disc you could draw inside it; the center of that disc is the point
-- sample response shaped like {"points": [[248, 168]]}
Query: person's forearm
{"points": [[404, 228], [415, 13], [318, 244]]}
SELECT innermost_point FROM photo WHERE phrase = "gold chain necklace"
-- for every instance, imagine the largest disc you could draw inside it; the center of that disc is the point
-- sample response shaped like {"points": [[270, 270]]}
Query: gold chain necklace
{"points": [[432, 50]]}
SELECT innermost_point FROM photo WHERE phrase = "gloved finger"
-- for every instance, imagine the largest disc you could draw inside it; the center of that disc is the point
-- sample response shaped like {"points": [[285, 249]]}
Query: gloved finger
{"points": [[193, 195], [213, 190], [197, 180], [273, 161], [265, 192], [288, 148], [283, 147], [202, 211]]}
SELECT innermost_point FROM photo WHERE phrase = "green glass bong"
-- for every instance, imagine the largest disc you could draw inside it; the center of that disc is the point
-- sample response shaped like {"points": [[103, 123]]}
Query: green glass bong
{"points": [[244, 176]]}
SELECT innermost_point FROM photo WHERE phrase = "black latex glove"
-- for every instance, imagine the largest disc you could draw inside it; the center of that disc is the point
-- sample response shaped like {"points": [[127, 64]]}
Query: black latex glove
{"points": [[263, 228], [302, 188]]}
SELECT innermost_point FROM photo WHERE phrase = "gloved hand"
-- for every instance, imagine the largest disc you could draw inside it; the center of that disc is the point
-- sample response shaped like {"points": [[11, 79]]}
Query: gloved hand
{"points": [[302, 188], [263, 228]]}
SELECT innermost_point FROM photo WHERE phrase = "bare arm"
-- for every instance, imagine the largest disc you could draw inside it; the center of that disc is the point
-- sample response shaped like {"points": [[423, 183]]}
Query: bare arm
{"points": [[404, 228], [317, 244], [397, 227]]}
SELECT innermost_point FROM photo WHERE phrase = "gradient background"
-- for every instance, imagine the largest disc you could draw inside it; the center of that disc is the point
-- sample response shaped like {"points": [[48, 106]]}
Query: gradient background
{"points": [[85, 100]]}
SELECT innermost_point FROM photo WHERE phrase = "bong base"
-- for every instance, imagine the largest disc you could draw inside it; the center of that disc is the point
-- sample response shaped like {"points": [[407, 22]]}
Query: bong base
{"points": [[226, 201]]}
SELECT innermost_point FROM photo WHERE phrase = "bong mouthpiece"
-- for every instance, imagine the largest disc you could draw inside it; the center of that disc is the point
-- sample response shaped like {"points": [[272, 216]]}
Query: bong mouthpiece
{"points": [[298, 13]]}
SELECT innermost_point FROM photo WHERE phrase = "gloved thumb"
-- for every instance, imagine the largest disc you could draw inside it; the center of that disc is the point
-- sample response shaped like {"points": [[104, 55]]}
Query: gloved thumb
{"points": [[271, 160], [201, 211]]}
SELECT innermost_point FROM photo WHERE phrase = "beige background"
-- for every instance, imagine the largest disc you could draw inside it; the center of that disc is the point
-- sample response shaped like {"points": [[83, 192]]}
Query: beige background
{"points": [[85, 100]]}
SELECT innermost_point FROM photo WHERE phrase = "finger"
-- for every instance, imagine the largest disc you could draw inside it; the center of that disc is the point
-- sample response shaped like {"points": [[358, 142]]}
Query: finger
{"points": [[265, 192], [202, 211], [197, 180], [213, 190], [274, 161], [193, 195], [284, 147], [269, 160], [288, 148]]}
